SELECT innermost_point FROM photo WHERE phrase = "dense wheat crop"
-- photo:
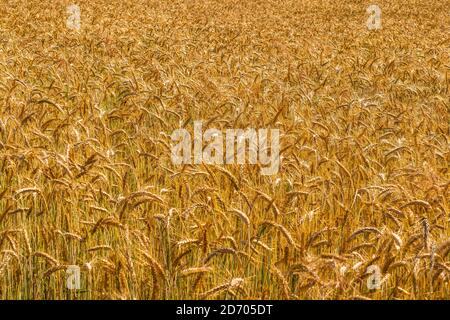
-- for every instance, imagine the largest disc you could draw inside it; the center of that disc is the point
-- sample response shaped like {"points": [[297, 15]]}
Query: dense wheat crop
{"points": [[86, 176]]}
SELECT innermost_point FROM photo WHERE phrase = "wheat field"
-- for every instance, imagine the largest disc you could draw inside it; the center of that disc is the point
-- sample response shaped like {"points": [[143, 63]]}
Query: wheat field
{"points": [[86, 176]]}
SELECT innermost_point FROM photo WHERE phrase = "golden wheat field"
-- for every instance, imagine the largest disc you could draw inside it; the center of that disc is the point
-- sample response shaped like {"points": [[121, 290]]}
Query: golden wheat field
{"points": [[87, 180]]}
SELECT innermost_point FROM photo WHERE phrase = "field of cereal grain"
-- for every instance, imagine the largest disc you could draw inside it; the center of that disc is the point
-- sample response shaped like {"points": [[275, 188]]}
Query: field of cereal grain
{"points": [[86, 176]]}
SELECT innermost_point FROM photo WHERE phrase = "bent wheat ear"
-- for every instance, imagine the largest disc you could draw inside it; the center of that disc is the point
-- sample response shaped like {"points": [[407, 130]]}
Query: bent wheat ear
{"points": [[242, 216], [47, 257], [191, 271]]}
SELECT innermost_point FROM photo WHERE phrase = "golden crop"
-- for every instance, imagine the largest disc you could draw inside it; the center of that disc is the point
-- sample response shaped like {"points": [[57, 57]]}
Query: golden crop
{"points": [[86, 176]]}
